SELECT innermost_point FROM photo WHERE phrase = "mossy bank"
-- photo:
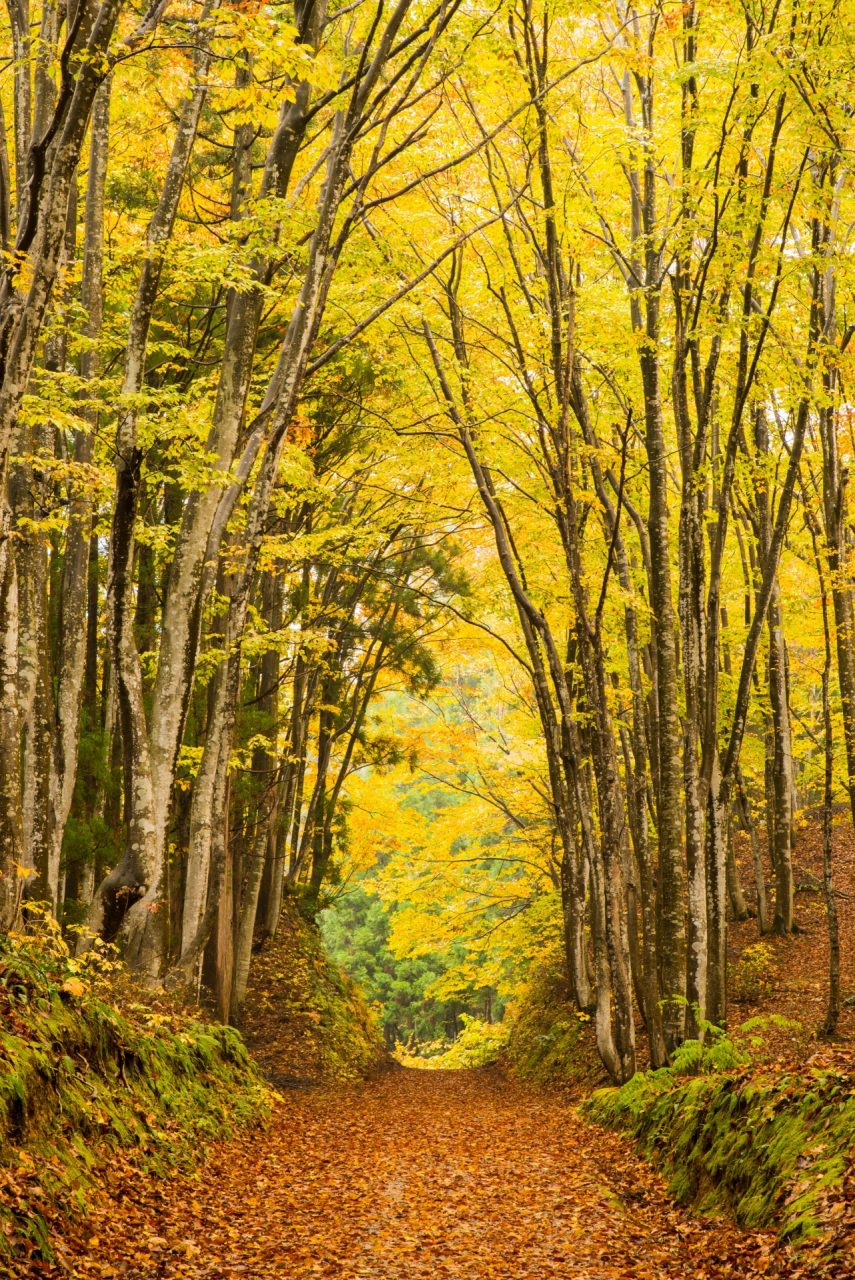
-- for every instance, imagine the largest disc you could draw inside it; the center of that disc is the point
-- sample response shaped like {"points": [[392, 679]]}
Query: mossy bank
{"points": [[771, 1146], [91, 1075]]}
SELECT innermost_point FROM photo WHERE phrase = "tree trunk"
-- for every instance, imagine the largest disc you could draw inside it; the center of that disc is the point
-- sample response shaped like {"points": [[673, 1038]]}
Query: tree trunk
{"points": [[264, 842], [749, 825], [832, 1013], [78, 614], [717, 840], [135, 885], [782, 773], [11, 817]]}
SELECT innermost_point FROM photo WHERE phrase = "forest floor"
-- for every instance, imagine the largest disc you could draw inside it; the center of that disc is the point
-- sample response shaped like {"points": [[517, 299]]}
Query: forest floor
{"points": [[419, 1176], [796, 983]]}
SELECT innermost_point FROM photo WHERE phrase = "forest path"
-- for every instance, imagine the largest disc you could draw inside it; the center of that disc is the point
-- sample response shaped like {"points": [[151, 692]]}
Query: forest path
{"points": [[420, 1176]]}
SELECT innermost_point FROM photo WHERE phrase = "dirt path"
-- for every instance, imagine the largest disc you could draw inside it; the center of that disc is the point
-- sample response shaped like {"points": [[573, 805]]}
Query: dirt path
{"points": [[418, 1176]]}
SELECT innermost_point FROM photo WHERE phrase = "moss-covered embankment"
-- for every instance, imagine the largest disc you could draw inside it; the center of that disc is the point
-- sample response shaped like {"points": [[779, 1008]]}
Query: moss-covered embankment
{"points": [[90, 1076], [743, 1125], [772, 1146]]}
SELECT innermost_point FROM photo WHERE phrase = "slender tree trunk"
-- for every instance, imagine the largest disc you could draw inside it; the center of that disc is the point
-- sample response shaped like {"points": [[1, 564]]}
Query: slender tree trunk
{"points": [[289, 800], [11, 816], [263, 846], [202, 529], [717, 840], [750, 826], [35, 688], [224, 933], [735, 893], [645, 315], [832, 1013], [694, 663], [77, 630], [782, 772], [134, 889], [260, 853]]}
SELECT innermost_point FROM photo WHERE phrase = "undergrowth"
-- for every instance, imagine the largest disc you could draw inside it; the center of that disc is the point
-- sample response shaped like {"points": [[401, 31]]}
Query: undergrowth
{"points": [[478, 1044], [769, 1144], [84, 1080], [543, 1039]]}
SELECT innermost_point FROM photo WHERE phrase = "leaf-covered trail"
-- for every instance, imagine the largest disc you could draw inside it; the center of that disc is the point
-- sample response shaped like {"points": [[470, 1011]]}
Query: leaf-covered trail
{"points": [[419, 1176]]}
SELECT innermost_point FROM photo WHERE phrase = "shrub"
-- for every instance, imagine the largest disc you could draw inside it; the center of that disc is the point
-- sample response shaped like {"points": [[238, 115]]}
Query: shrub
{"points": [[754, 973], [478, 1045]]}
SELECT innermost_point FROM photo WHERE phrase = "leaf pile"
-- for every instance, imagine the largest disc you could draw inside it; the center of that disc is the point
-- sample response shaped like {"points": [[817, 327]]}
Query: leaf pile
{"points": [[422, 1176]]}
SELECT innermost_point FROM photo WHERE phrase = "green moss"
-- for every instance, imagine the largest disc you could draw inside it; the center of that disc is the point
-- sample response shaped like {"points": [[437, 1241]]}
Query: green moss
{"points": [[352, 1045], [768, 1147], [81, 1078]]}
